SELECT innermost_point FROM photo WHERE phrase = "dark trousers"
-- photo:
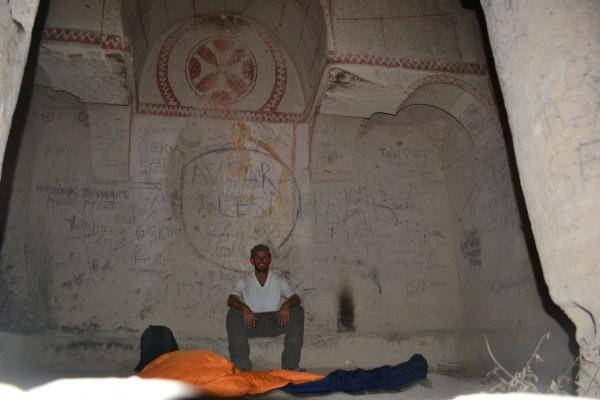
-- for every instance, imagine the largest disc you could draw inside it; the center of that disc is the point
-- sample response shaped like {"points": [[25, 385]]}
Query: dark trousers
{"points": [[266, 326]]}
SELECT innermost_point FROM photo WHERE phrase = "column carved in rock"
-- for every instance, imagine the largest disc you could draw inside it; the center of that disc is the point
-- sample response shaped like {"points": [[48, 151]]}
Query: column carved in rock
{"points": [[547, 54]]}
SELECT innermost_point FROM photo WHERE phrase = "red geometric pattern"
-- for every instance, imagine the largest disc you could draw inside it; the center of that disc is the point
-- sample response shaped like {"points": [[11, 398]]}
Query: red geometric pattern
{"points": [[162, 67], [280, 85], [183, 111], [79, 36], [115, 42], [167, 93], [72, 35], [410, 63], [449, 80], [222, 69]]}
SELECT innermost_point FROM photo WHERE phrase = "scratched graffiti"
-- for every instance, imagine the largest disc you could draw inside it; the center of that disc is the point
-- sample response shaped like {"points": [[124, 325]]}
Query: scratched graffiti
{"points": [[517, 285], [478, 123], [421, 286], [471, 248], [234, 197], [387, 208], [333, 148], [589, 160], [385, 222], [109, 126]]}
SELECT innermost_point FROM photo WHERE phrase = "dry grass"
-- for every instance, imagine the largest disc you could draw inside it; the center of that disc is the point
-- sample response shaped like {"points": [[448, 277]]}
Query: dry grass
{"points": [[527, 380]]}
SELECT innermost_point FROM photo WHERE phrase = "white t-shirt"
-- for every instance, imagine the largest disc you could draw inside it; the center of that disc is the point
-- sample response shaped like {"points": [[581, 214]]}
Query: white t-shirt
{"points": [[262, 298]]}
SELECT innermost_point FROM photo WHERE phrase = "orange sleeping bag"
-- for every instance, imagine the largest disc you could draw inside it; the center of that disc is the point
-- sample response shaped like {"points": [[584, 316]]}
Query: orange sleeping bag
{"points": [[216, 376]]}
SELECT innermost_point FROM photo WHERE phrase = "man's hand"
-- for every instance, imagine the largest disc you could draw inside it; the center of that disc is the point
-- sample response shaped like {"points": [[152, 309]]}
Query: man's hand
{"points": [[283, 315], [249, 318]]}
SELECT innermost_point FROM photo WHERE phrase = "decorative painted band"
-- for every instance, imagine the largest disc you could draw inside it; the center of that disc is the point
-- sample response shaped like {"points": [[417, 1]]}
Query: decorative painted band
{"points": [[243, 115], [119, 43], [80, 36], [410, 63]]}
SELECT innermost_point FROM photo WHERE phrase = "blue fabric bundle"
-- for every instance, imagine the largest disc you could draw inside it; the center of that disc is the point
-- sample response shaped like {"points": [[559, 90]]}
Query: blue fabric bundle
{"points": [[386, 378]]}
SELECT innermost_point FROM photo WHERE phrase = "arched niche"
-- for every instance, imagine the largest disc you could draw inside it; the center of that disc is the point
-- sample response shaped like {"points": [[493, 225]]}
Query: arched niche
{"points": [[503, 292], [420, 205], [297, 27], [471, 108], [493, 261]]}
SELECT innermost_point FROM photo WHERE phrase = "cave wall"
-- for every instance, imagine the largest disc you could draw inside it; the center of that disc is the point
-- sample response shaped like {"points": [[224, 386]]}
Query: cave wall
{"points": [[17, 20], [390, 205], [382, 223]]}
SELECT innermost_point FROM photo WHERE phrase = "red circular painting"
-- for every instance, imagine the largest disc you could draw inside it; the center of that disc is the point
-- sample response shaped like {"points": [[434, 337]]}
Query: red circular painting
{"points": [[223, 69]]}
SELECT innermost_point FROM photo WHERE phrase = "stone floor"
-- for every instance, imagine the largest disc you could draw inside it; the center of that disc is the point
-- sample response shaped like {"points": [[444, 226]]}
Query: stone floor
{"points": [[441, 386]]}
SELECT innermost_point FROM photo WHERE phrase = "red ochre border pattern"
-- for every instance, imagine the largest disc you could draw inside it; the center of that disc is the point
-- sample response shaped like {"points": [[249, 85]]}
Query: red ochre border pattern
{"points": [[115, 42], [119, 43], [243, 115], [410, 63], [79, 36], [280, 85]]}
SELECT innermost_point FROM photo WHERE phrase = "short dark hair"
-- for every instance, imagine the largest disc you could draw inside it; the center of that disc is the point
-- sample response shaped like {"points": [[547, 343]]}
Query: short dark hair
{"points": [[259, 247]]}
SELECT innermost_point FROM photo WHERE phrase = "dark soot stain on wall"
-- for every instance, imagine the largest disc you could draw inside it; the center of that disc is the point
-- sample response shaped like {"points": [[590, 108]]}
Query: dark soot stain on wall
{"points": [[345, 311]]}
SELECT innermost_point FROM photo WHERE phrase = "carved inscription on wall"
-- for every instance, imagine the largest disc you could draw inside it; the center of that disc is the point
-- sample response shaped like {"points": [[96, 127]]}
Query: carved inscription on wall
{"points": [[385, 222], [233, 197]]}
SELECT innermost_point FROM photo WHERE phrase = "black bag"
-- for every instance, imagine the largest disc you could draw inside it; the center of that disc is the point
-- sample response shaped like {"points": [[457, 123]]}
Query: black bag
{"points": [[156, 341]]}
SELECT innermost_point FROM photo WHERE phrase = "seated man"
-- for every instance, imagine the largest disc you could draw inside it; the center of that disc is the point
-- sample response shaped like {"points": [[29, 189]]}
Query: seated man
{"points": [[257, 310]]}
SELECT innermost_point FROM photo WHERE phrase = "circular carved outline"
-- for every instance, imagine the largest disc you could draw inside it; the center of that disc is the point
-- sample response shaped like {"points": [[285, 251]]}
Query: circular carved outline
{"points": [[238, 44], [197, 251], [162, 66]]}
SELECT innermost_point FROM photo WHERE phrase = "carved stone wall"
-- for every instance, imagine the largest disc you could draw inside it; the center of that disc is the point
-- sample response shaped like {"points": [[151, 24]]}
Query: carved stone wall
{"points": [[360, 141]]}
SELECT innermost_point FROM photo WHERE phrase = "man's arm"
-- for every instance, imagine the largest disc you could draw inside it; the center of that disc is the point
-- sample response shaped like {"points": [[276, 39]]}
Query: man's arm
{"points": [[235, 302], [249, 318], [292, 301]]}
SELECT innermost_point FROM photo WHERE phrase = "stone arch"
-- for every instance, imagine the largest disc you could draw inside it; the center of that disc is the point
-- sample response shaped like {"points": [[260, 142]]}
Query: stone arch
{"points": [[224, 67], [481, 182], [298, 27], [451, 81], [465, 103]]}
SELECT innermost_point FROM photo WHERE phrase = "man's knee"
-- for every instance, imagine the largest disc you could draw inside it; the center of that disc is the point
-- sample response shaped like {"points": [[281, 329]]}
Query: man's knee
{"points": [[298, 311], [297, 315], [234, 319]]}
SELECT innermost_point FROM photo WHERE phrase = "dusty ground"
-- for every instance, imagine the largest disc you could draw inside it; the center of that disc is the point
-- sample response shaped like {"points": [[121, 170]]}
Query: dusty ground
{"points": [[441, 386]]}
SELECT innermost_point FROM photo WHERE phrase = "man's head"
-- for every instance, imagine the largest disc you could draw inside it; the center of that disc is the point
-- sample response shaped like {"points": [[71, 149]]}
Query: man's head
{"points": [[260, 257]]}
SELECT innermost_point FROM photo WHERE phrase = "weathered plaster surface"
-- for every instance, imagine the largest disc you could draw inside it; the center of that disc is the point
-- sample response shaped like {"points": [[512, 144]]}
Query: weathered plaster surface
{"points": [[426, 30], [109, 129], [16, 24], [24, 280], [384, 225], [93, 76]]}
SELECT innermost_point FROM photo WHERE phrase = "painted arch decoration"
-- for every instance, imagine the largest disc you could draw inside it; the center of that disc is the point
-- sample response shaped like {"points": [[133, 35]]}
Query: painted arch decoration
{"points": [[225, 67]]}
